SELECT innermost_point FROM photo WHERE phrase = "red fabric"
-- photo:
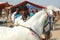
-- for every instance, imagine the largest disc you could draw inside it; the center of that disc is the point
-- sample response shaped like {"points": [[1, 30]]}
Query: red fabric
{"points": [[28, 3], [3, 5]]}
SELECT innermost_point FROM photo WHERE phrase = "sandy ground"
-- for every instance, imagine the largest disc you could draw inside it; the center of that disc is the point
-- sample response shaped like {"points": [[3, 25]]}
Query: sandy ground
{"points": [[56, 33]]}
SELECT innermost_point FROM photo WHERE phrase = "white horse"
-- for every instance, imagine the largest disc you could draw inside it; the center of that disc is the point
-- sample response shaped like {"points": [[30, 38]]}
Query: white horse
{"points": [[22, 33]]}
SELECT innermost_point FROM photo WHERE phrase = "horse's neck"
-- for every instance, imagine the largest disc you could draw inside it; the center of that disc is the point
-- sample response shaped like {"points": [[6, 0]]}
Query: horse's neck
{"points": [[34, 19], [38, 26]]}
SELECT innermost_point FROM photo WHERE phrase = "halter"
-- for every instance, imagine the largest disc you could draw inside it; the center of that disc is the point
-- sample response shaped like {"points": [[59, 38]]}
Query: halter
{"points": [[47, 24]]}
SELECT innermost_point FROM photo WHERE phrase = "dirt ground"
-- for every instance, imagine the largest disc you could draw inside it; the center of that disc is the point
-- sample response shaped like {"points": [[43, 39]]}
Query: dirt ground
{"points": [[56, 32], [55, 35]]}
